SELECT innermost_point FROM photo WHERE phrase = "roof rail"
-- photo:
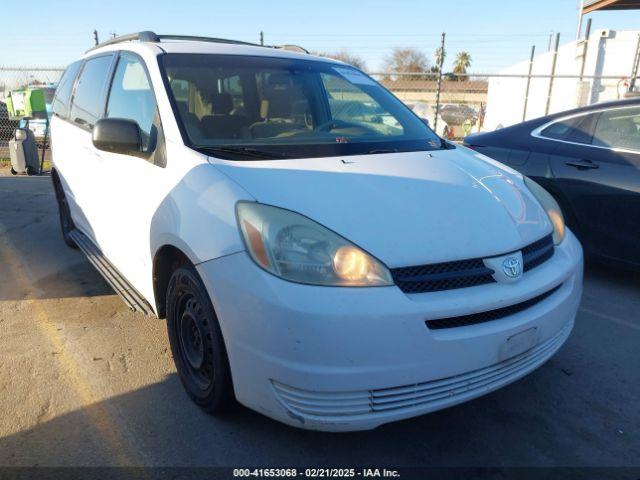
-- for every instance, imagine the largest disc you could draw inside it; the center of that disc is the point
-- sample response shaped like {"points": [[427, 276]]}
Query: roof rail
{"points": [[145, 36], [152, 37], [205, 39], [292, 48]]}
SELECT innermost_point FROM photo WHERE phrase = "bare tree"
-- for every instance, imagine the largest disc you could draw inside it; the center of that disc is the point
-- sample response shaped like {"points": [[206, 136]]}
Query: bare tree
{"points": [[406, 59], [346, 57], [440, 55]]}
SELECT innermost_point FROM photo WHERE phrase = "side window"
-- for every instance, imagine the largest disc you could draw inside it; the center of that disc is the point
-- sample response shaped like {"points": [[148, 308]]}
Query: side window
{"points": [[60, 102], [582, 132], [561, 129], [88, 100], [131, 96], [618, 128]]}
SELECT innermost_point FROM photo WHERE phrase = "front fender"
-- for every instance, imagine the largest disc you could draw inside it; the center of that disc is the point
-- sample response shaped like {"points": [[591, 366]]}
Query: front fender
{"points": [[198, 216]]}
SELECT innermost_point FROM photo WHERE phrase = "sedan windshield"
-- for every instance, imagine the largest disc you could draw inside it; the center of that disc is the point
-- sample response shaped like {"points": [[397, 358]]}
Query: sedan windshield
{"points": [[253, 107]]}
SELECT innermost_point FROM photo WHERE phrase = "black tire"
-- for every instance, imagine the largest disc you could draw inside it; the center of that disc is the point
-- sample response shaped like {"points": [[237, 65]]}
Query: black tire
{"points": [[66, 223], [196, 342], [13, 172]]}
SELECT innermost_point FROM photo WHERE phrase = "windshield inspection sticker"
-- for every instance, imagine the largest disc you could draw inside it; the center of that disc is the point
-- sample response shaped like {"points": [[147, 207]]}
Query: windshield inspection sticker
{"points": [[354, 76]]}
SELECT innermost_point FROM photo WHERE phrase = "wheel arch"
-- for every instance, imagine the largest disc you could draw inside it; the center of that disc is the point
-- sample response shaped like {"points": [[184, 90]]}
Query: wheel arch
{"points": [[55, 178], [165, 261]]}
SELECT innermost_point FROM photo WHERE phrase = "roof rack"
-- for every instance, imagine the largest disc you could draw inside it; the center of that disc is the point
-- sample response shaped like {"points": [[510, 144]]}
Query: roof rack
{"points": [[145, 36], [152, 37], [292, 48]]}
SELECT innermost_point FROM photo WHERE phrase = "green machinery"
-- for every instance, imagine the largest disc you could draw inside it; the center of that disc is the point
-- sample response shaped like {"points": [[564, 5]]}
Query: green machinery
{"points": [[26, 104]]}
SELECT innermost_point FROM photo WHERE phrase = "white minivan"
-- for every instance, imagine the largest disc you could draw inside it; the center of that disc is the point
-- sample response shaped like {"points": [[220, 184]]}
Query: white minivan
{"points": [[319, 254]]}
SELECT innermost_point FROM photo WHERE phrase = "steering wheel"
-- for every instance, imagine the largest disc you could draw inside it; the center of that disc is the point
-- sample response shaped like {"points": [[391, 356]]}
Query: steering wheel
{"points": [[331, 124]]}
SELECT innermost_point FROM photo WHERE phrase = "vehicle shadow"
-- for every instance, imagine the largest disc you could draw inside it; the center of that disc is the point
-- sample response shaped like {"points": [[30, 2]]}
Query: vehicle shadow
{"points": [[158, 426], [532, 422], [32, 248]]}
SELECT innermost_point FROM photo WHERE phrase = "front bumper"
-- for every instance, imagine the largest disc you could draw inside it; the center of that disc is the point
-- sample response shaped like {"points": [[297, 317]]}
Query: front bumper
{"points": [[339, 359]]}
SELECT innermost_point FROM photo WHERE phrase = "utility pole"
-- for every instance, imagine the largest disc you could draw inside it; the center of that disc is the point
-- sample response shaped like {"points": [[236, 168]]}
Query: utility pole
{"points": [[585, 45], [526, 93], [549, 42], [435, 120], [261, 38], [634, 69], [95, 37], [581, 7], [553, 72]]}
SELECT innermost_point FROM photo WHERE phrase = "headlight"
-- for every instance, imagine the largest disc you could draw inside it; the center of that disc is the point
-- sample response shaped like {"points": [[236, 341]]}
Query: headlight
{"points": [[295, 248], [551, 207]]}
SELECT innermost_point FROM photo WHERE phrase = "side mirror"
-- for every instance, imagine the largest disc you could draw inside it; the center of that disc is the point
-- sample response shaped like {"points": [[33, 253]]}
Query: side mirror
{"points": [[425, 121], [118, 135]]}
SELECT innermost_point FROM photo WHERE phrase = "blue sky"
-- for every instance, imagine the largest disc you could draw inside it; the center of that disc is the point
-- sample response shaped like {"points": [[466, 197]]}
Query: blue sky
{"points": [[495, 33]]}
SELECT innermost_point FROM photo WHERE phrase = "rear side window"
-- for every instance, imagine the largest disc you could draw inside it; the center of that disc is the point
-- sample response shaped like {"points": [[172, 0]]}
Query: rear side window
{"points": [[560, 130], [88, 100], [60, 103], [131, 95], [576, 129]]}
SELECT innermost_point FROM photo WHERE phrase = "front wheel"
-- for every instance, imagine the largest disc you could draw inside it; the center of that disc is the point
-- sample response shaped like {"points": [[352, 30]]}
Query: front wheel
{"points": [[196, 342]]}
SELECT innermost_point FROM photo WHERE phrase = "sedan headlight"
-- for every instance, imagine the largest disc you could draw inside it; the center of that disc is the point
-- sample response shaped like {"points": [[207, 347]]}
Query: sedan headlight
{"points": [[551, 207], [295, 248]]}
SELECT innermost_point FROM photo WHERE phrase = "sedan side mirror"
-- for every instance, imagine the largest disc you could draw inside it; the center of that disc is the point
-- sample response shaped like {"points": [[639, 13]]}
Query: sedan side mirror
{"points": [[425, 121], [118, 135]]}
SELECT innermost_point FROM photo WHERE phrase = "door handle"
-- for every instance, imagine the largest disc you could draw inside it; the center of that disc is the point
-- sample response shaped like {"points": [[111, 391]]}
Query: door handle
{"points": [[583, 164]]}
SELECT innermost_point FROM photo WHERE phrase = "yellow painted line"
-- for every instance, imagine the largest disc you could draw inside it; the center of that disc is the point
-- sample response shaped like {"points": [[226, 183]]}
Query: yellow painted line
{"points": [[96, 412]]}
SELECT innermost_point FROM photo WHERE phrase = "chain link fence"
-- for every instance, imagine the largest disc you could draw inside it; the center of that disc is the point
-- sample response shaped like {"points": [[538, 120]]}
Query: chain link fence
{"points": [[454, 105], [12, 78], [457, 105]]}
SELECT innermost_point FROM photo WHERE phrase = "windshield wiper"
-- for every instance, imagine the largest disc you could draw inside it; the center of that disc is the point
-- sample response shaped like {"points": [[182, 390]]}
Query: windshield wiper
{"points": [[446, 145], [382, 150], [239, 152]]}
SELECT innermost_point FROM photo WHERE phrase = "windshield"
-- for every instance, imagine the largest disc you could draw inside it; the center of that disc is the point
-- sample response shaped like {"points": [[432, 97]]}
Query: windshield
{"points": [[246, 107]]}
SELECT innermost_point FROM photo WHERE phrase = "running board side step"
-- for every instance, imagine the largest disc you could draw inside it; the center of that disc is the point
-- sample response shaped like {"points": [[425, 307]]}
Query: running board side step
{"points": [[134, 300]]}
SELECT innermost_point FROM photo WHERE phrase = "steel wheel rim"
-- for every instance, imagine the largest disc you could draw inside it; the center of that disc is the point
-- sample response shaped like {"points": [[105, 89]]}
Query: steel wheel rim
{"points": [[194, 337]]}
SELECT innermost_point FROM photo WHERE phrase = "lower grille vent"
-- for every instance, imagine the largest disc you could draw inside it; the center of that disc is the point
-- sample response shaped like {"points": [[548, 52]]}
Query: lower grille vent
{"points": [[490, 315]]}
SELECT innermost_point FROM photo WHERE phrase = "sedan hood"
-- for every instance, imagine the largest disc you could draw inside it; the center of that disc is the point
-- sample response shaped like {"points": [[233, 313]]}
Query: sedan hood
{"points": [[404, 208]]}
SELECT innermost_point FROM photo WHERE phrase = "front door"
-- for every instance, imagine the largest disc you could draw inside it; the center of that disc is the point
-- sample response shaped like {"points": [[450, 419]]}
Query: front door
{"points": [[136, 185]]}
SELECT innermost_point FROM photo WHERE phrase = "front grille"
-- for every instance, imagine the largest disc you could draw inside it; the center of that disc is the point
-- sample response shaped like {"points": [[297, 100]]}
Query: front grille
{"points": [[537, 253], [418, 397], [490, 315], [464, 273], [442, 276]]}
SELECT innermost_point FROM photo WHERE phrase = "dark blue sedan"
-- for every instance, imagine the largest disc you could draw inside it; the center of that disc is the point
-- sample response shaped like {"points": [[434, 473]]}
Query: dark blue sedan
{"points": [[589, 160]]}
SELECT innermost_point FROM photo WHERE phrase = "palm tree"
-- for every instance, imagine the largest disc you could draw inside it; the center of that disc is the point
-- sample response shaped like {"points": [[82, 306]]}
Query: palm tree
{"points": [[463, 61]]}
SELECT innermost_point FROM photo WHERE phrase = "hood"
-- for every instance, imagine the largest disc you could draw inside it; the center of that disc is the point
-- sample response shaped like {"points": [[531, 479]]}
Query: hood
{"points": [[408, 208]]}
